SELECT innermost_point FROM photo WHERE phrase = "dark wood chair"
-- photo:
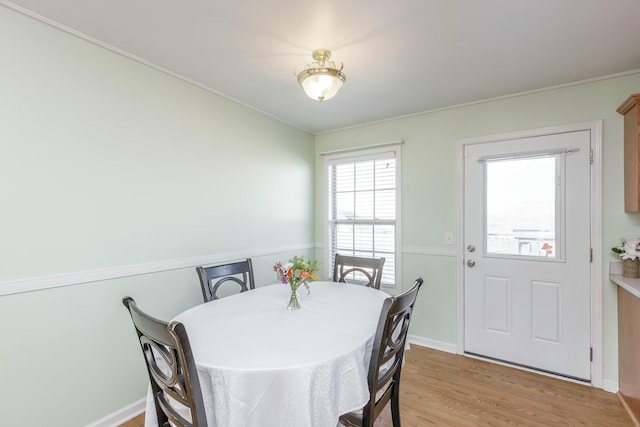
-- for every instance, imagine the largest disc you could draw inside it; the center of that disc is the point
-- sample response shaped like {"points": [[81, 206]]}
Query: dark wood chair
{"points": [[172, 371], [386, 360], [240, 273], [351, 269]]}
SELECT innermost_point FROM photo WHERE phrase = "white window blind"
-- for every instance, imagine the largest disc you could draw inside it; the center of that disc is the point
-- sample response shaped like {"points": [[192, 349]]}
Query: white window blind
{"points": [[363, 199]]}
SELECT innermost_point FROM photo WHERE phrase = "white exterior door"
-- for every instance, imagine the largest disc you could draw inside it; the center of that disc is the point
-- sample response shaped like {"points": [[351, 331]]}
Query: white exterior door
{"points": [[527, 245]]}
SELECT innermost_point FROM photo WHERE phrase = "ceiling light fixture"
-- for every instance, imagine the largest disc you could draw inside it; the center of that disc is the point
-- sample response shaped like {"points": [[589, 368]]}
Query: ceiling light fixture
{"points": [[321, 80]]}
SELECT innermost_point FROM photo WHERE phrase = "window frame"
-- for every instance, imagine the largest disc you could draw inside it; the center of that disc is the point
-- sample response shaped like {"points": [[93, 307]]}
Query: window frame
{"points": [[352, 156]]}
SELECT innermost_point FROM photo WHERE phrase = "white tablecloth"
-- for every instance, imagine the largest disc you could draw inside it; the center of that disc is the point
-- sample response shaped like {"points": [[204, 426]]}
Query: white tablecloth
{"points": [[262, 365]]}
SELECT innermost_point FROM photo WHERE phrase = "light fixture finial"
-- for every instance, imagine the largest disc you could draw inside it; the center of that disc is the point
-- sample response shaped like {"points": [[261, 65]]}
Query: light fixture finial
{"points": [[321, 55], [321, 80]]}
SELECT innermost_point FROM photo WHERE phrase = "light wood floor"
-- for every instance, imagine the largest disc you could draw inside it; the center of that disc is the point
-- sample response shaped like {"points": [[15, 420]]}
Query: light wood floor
{"points": [[442, 389]]}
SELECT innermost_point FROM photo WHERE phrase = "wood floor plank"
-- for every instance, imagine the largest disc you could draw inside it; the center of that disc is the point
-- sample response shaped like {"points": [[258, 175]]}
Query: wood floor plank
{"points": [[443, 389]]}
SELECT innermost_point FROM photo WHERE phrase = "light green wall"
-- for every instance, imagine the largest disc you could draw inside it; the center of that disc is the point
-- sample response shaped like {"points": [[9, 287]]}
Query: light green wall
{"points": [[107, 163], [104, 156], [429, 186]]}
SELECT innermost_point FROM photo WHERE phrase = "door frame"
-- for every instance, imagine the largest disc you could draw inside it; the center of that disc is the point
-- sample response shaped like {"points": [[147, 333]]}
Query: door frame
{"points": [[595, 128]]}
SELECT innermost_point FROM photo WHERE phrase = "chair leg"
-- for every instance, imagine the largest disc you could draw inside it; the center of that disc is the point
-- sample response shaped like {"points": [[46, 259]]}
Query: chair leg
{"points": [[395, 405]]}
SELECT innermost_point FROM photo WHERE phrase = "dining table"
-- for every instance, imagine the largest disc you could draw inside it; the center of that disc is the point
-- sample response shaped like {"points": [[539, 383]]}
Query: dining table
{"points": [[263, 365]]}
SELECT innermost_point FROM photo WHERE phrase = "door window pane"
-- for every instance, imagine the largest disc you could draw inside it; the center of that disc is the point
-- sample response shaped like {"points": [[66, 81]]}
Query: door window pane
{"points": [[522, 207]]}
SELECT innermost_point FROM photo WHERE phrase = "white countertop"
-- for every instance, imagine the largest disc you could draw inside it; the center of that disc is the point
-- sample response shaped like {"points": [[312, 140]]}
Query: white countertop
{"points": [[630, 285]]}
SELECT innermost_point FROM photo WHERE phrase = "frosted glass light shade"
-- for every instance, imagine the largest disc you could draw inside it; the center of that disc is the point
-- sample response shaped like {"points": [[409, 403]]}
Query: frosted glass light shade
{"points": [[321, 87], [321, 80]]}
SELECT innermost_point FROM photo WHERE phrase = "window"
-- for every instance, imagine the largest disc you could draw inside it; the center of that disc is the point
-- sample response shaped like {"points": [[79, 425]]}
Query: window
{"points": [[363, 199], [523, 207]]}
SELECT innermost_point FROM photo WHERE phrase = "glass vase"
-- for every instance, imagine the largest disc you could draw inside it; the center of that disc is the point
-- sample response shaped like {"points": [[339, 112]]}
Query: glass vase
{"points": [[293, 301]]}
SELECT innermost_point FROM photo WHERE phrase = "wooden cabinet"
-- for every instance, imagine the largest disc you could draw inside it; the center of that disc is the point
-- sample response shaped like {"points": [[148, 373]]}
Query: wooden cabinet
{"points": [[629, 109], [629, 352]]}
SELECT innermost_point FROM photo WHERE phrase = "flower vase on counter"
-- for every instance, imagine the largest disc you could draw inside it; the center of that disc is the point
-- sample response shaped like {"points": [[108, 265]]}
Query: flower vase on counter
{"points": [[630, 268], [629, 251]]}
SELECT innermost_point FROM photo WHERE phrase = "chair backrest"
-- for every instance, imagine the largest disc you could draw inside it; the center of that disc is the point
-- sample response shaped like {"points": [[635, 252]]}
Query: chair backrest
{"points": [[388, 353], [358, 270], [172, 371], [240, 273]]}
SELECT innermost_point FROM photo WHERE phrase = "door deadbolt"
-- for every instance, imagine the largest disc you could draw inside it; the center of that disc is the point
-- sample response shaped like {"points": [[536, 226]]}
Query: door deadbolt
{"points": [[471, 248]]}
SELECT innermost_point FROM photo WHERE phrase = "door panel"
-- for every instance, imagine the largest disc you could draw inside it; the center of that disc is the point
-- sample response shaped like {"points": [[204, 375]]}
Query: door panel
{"points": [[497, 304], [527, 283], [546, 311]]}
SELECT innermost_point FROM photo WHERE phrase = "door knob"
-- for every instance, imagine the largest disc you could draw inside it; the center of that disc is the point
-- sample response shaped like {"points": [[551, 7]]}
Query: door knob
{"points": [[471, 263]]}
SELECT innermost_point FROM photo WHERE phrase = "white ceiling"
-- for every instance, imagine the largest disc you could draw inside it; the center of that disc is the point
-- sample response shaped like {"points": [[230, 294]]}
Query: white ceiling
{"points": [[401, 57]]}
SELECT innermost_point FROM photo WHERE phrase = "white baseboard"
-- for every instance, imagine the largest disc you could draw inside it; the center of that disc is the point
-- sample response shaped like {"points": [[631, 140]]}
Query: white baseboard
{"points": [[436, 345], [610, 386], [121, 416]]}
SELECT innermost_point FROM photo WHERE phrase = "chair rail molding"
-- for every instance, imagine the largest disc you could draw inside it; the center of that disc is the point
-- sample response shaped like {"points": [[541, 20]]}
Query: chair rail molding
{"points": [[81, 277], [423, 250], [417, 250]]}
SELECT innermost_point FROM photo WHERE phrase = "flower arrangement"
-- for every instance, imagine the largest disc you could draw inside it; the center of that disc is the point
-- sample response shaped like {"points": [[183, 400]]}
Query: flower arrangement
{"points": [[297, 272], [628, 249]]}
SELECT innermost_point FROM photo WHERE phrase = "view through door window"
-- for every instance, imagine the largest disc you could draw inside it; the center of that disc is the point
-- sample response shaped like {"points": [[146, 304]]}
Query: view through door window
{"points": [[522, 207]]}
